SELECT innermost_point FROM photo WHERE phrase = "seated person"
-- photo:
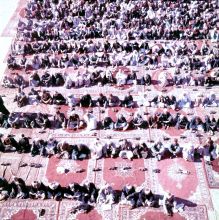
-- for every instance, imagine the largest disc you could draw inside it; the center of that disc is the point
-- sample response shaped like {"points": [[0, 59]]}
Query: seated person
{"points": [[184, 101], [138, 122], [140, 150], [107, 123], [83, 152], [97, 149], [101, 101], [11, 144], [181, 122], [188, 152], [171, 102], [8, 82], [3, 119], [34, 79], [21, 99], [90, 120], [121, 78], [207, 150], [215, 152], [132, 78], [37, 148], [18, 189], [28, 120], [58, 79], [126, 150], [128, 101], [46, 98], [2, 146], [11, 62], [59, 120], [210, 100], [54, 191], [13, 121], [47, 79], [153, 121], [170, 204], [73, 191], [121, 123], [58, 99], [64, 150], [50, 148], [74, 121], [196, 124], [166, 119], [72, 101], [24, 144], [91, 193], [106, 195], [158, 150], [37, 190], [42, 121], [4, 189], [113, 101], [129, 196], [210, 124], [175, 148], [146, 198], [33, 96], [86, 100], [145, 80]]}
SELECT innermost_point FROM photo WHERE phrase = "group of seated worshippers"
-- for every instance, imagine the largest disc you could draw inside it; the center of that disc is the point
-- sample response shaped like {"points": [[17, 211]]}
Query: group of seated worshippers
{"points": [[46, 148], [84, 78], [65, 20], [184, 100], [100, 148], [88, 194], [119, 52], [198, 65], [138, 120]]}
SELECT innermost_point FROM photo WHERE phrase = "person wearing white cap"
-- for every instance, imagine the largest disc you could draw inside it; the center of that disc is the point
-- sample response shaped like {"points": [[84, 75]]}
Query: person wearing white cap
{"points": [[91, 121], [146, 198], [54, 191], [188, 152], [175, 148], [168, 203]]}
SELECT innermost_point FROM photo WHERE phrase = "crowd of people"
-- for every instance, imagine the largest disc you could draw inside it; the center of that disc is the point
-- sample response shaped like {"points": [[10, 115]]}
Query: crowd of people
{"points": [[90, 122], [182, 101], [111, 148], [88, 195], [72, 44], [125, 20]]}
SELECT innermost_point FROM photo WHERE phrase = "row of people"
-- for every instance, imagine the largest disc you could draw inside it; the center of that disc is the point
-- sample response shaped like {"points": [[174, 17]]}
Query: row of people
{"points": [[100, 77], [90, 122], [88, 195], [81, 47], [129, 101], [135, 58], [99, 148], [119, 19]]}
